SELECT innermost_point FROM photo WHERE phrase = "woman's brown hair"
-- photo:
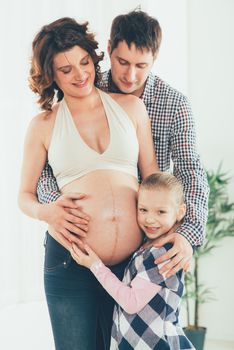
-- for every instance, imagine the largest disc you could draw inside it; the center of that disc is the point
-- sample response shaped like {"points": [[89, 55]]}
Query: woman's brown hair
{"points": [[58, 36]]}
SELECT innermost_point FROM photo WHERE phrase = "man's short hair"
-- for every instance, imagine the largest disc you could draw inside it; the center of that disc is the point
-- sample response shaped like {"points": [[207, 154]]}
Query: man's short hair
{"points": [[136, 27]]}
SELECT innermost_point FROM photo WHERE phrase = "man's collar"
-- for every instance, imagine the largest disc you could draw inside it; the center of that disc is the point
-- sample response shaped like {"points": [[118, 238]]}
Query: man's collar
{"points": [[148, 92], [111, 85]]}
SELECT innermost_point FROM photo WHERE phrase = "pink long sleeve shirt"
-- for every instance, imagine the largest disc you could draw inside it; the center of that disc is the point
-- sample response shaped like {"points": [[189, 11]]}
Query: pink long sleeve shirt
{"points": [[131, 298]]}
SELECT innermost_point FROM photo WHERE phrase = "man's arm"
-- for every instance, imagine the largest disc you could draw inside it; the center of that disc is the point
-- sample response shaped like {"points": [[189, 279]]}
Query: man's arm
{"points": [[47, 187], [188, 169]]}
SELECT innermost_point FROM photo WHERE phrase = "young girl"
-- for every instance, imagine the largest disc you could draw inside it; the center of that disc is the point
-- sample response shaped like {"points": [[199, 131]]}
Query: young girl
{"points": [[146, 316]]}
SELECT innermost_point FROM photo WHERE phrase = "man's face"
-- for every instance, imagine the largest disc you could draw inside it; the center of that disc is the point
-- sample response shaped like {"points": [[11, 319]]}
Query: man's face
{"points": [[130, 67]]}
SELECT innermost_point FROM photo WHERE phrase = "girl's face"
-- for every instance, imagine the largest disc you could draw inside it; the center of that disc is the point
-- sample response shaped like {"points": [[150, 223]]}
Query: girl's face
{"points": [[158, 211], [74, 72]]}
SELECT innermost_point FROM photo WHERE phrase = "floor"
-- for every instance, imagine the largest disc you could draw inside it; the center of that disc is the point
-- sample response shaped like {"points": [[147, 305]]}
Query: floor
{"points": [[218, 345], [27, 327]]}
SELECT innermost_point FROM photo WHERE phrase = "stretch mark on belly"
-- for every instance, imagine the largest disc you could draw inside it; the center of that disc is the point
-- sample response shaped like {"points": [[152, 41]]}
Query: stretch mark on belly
{"points": [[115, 223]]}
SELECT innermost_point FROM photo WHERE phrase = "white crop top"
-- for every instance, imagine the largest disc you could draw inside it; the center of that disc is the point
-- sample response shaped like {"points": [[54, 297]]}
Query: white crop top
{"points": [[71, 158]]}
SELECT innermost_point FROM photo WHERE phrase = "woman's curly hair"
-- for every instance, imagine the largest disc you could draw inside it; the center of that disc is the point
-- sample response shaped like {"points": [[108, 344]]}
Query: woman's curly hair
{"points": [[59, 36]]}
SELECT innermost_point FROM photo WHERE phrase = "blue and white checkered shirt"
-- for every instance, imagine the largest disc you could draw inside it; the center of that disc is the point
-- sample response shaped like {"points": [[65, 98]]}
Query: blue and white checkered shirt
{"points": [[174, 138], [156, 325]]}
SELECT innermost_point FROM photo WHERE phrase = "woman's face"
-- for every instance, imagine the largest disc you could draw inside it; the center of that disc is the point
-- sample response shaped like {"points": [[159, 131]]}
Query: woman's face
{"points": [[74, 72]]}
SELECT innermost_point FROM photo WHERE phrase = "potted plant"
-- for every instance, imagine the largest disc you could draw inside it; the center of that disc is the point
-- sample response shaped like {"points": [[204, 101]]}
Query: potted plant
{"points": [[220, 224]]}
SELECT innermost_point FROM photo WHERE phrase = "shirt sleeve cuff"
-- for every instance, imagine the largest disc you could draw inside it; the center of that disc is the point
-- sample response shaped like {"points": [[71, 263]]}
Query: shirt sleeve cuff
{"points": [[187, 234], [96, 267]]}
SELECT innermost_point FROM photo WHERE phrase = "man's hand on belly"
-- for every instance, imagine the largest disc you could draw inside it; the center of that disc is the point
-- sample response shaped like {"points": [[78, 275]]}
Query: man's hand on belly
{"points": [[66, 218]]}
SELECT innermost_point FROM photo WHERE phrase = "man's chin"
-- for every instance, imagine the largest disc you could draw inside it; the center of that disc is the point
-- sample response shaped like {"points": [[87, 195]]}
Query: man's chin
{"points": [[125, 90]]}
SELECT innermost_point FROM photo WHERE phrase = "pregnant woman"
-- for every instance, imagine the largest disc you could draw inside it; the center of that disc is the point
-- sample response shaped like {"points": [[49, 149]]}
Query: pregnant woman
{"points": [[94, 143]]}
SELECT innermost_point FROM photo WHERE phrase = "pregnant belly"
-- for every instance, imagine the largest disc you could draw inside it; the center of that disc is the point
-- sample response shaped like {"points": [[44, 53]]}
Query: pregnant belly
{"points": [[111, 203]]}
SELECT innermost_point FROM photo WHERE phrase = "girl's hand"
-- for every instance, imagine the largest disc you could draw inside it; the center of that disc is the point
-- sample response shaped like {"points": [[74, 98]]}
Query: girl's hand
{"points": [[85, 259]]}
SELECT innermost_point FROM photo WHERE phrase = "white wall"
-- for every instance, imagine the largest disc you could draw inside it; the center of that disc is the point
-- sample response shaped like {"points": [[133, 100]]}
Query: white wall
{"points": [[211, 91], [196, 61], [211, 75]]}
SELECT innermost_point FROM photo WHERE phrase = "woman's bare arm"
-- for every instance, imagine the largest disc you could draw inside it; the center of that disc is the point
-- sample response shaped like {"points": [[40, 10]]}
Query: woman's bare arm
{"points": [[147, 161], [136, 111], [34, 158], [57, 214]]}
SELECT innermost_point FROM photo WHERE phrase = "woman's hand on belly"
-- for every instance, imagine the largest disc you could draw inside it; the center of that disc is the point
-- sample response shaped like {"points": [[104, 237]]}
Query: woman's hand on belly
{"points": [[66, 219]]}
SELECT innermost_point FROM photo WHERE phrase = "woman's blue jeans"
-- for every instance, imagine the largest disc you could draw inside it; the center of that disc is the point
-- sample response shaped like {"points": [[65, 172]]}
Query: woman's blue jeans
{"points": [[80, 309]]}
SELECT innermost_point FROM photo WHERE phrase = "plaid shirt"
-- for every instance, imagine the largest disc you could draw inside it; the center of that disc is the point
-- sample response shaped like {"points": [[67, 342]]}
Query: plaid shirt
{"points": [[174, 138], [156, 325]]}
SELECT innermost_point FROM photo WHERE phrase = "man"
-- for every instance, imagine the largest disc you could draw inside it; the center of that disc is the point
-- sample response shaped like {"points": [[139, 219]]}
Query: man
{"points": [[133, 47]]}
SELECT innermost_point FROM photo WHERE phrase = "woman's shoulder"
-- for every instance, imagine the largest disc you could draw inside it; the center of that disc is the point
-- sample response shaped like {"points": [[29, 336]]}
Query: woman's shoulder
{"points": [[132, 105], [46, 116], [41, 125], [44, 120], [127, 100]]}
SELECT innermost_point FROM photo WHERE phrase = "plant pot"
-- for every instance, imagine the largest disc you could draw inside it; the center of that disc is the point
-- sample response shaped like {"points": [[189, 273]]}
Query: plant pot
{"points": [[196, 336]]}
